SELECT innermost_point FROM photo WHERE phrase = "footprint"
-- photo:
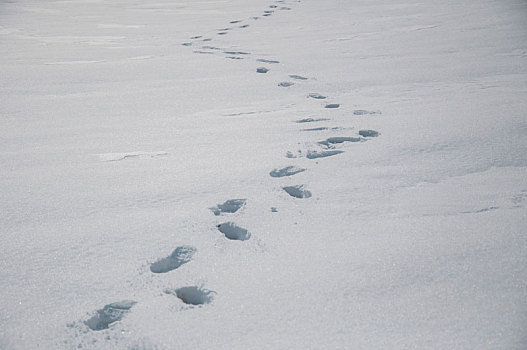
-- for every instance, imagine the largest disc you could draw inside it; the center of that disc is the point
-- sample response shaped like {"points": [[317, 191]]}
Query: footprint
{"points": [[244, 26], [207, 39], [311, 120], [298, 77], [290, 154], [204, 52], [224, 29], [193, 295], [236, 53], [109, 314], [181, 255], [287, 171], [332, 105], [208, 47], [316, 129], [267, 61], [268, 11], [297, 191], [285, 8], [113, 157], [222, 33], [317, 96], [234, 22], [234, 232], [322, 154], [266, 14], [274, 210], [196, 37], [230, 206], [187, 44], [339, 139], [286, 84], [324, 128], [364, 112], [262, 70], [234, 57], [273, 6], [368, 133]]}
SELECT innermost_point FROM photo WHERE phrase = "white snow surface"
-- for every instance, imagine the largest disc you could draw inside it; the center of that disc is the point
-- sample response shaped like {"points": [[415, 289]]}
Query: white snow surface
{"points": [[120, 127]]}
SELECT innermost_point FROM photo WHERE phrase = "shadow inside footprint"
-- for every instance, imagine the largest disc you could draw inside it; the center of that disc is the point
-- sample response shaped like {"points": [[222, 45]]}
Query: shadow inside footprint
{"points": [[287, 171], [181, 255], [316, 129], [364, 112], [109, 314], [230, 206], [193, 295], [297, 77], [297, 191], [322, 154], [339, 139], [368, 133], [262, 70], [234, 232], [267, 61], [316, 96], [286, 84], [311, 120], [332, 105]]}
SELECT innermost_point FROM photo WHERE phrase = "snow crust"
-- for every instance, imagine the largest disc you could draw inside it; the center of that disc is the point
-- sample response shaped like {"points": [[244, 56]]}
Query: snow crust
{"points": [[131, 129]]}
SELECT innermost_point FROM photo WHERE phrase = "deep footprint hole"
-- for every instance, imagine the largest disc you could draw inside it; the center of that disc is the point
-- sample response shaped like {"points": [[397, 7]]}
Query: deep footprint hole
{"points": [[234, 232], [180, 255], [193, 295], [109, 314]]}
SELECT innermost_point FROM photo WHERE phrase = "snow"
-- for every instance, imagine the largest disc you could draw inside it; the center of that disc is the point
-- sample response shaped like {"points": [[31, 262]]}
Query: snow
{"points": [[130, 130]]}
